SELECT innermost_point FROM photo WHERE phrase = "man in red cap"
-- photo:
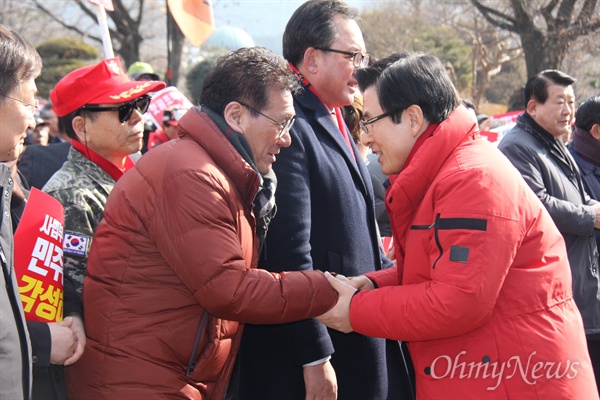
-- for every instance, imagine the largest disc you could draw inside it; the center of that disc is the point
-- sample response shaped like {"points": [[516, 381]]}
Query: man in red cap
{"points": [[100, 108]]}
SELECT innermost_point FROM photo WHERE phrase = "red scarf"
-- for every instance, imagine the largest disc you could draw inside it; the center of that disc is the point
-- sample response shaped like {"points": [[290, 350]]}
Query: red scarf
{"points": [[108, 167], [336, 113]]}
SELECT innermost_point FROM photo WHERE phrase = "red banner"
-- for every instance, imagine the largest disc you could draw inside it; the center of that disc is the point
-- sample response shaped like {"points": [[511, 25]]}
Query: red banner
{"points": [[165, 99], [39, 258]]}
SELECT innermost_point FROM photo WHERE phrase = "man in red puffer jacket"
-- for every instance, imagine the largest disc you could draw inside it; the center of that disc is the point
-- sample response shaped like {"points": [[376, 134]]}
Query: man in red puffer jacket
{"points": [[482, 288]]}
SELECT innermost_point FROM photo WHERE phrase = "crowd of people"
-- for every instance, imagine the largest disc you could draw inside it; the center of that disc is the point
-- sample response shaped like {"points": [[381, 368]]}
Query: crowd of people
{"points": [[244, 259]]}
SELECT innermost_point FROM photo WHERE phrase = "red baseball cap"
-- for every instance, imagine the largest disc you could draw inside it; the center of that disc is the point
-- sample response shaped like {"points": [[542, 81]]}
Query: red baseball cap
{"points": [[102, 83]]}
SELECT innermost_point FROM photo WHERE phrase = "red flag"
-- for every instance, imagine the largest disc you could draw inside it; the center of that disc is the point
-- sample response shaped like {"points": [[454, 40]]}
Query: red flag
{"points": [[39, 258], [195, 19], [107, 4]]}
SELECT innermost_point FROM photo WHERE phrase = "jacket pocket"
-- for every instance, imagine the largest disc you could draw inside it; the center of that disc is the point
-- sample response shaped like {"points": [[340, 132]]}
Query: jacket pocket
{"points": [[457, 253], [469, 364]]}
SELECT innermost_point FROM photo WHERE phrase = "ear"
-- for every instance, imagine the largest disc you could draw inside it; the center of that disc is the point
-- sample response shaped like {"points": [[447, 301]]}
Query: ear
{"points": [[79, 127], [234, 116], [531, 107], [309, 61], [415, 120], [595, 132]]}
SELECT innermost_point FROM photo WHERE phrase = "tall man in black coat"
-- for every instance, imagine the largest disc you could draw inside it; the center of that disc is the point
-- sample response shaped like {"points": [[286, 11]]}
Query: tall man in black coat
{"points": [[325, 220]]}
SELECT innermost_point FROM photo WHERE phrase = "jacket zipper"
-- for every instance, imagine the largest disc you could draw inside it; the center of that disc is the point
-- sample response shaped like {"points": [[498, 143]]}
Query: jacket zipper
{"points": [[427, 227], [437, 239]]}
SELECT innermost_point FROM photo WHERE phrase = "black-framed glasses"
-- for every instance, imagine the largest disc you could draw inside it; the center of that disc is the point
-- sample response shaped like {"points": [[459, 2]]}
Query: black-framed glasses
{"points": [[286, 126], [125, 110], [32, 106], [364, 124], [359, 59]]}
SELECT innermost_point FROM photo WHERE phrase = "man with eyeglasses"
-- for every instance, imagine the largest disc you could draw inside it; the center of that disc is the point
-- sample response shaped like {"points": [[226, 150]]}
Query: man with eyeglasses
{"points": [[172, 275], [482, 279], [20, 64], [325, 221], [100, 108]]}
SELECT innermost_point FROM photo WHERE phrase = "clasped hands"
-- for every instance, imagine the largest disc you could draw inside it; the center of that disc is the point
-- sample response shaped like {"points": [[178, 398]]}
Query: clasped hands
{"points": [[338, 317], [68, 340]]}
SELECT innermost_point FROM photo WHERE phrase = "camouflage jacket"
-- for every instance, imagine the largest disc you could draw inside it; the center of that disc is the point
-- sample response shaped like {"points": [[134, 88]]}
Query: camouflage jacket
{"points": [[82, 187]]}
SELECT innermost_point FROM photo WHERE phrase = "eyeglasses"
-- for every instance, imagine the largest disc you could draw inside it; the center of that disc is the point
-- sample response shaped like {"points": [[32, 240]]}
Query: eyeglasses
{"points": [[359, 59], [363, 124], [286, 126], [32, 106], [125, 110]]}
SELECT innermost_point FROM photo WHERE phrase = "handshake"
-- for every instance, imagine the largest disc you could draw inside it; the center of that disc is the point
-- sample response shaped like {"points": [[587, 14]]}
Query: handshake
{"points": [[338, 317]]}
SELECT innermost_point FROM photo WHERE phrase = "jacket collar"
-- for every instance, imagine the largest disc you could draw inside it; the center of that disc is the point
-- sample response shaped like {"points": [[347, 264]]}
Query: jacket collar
{"points": [[108, 167], [555, 146], [309, 103], [411, 185], [198, 126]]}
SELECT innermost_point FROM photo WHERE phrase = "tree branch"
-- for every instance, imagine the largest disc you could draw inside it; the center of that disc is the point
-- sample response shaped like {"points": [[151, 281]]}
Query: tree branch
{"points": [[574, 31], [86, 10], [70, 27], [585, 15], [495, 17], [565, 11], [547, 11]]}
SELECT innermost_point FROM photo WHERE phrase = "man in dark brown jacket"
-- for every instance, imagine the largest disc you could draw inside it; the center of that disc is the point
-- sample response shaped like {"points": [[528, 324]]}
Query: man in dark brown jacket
{"points": [[172, 271]]}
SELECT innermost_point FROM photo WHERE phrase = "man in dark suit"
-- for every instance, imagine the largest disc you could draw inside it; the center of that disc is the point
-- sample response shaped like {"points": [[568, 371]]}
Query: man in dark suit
{"points": [[325, 220], [38, 163]]}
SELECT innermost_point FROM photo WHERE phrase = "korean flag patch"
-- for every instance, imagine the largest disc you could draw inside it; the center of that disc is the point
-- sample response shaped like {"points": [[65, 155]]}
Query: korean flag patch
{"points": [[75, 244]]}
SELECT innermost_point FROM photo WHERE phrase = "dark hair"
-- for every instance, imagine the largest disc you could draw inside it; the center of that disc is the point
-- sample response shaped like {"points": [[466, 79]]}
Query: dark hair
{"points": [[19, 61], [65, 124], [246, 75], [588, 114], [368, 76], [537, 86], [352, 114], [419, 79], [468, 104], [312, 25]]}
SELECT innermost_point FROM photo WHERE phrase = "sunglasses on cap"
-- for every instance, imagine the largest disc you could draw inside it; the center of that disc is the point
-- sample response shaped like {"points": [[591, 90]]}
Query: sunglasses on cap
{"points": [[125, 110]]}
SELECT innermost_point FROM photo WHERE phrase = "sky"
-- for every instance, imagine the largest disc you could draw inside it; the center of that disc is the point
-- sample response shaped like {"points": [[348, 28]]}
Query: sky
{"points": [[264, 20]]}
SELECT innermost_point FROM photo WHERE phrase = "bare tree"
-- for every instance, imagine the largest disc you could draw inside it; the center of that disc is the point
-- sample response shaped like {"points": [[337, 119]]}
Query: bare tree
{"points": [[546, 29], [126, 27], [492, 49], [124, 32], [392, 27]]}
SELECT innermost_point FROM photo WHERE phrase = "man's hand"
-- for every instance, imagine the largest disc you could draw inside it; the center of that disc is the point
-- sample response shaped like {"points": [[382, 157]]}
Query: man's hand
{"points": [[391, 254], [359, 282], [320, 382], [339, 316], [64, 341], [79, 330]]}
